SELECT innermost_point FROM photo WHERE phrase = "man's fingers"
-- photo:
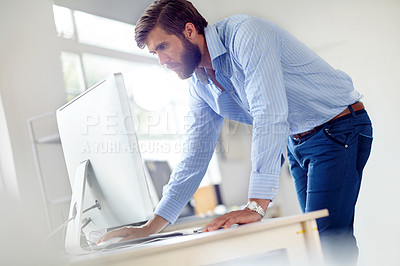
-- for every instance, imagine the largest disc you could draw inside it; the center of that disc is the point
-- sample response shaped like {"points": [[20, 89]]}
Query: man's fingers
{"points": [[218, 223], [127, 233], [229, 223], [229, 219], [214, 225], [123, 232]]}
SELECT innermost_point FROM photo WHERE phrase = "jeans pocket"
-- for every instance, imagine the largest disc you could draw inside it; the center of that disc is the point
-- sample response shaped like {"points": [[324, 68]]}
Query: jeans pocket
{"points": [[363, 151], [340, 134]]}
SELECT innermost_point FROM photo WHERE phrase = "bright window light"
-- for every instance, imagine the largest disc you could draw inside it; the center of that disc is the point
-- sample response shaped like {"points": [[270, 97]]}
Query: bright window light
{"points": [[107, 33], [63, 21], [72, 71]]}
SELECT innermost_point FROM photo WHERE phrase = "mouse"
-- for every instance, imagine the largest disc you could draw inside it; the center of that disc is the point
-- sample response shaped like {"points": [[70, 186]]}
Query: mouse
{"points": [[109, 241]]}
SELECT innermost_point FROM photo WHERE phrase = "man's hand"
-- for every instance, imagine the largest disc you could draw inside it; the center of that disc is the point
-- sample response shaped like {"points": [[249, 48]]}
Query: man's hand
{"points": [[153, 226], [244, 216], [236, 217], [127, 232]]}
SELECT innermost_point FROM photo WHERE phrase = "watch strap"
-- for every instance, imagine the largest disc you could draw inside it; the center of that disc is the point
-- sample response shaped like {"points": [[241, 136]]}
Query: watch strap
{"points": [[254, 206]]}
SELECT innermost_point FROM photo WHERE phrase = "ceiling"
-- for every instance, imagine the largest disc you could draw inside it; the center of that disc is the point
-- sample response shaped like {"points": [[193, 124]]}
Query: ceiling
{"points": [[127, 11]]}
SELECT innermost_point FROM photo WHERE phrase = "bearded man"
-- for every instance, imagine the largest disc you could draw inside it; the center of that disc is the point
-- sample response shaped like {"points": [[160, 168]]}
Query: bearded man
{"points": [[252, 71]]}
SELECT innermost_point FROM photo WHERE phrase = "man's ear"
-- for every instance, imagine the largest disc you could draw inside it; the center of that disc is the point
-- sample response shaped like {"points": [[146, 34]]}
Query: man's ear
{"points": [[189, 31]]}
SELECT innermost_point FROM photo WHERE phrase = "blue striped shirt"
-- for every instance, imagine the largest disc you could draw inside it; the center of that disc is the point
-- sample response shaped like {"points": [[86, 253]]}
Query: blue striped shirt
{"points": [[273, 82]]}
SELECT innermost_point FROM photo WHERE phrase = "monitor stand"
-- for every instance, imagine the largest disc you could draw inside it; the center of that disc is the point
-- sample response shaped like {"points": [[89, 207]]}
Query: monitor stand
{"points": [[74, 227]]}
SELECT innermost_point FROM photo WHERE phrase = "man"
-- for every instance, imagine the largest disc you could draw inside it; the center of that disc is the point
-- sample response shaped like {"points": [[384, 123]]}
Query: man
{"points": [[250, 70]]}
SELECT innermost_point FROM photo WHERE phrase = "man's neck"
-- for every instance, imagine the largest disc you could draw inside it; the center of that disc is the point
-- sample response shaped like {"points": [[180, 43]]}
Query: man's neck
{"points": [[205, 55]]}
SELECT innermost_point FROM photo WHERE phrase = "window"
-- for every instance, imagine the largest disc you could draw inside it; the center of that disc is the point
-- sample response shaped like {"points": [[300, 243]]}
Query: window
{"points": [[94, 47]]}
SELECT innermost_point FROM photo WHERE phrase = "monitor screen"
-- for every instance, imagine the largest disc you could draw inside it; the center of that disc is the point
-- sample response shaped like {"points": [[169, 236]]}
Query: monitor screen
{"points": [[97, 128]]}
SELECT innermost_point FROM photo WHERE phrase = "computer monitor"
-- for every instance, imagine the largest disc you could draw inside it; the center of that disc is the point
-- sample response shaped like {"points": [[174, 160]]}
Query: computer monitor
{"points": [[105, 168]]}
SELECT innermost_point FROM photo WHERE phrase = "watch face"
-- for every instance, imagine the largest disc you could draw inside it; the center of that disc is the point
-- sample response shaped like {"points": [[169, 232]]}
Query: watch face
{"points": [[252, 205]]}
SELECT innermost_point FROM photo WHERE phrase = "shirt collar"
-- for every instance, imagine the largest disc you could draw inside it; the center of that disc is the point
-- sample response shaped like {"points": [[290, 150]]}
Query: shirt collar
{"points": [[214, 43], [215, 47]]}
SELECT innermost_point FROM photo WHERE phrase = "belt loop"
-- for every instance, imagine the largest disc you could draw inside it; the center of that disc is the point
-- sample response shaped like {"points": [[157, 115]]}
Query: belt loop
{"points": [[352, 111]]}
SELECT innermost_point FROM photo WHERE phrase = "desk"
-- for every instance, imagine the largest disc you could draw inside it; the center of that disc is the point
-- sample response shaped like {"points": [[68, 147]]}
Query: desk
{"points": [[292, 239]]}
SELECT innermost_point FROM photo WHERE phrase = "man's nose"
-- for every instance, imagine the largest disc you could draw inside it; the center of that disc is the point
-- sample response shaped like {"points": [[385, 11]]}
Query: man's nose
{"points": [[162, 59]]}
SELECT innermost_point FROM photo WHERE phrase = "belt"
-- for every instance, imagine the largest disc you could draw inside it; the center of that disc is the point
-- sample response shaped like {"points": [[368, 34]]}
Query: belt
{"points": [[356, 107]]}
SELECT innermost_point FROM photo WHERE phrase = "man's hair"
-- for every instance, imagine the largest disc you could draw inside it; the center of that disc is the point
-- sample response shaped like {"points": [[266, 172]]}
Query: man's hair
{"points": [[169, 15]]}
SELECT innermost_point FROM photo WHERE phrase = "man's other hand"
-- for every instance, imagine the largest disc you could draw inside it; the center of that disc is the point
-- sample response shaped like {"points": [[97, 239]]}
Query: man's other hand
{"points": [[236, 217], [153, 226], [127, 232]]}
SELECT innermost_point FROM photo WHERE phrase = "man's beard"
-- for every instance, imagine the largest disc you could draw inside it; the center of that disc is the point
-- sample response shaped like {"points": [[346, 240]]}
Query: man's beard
{"points": [[191, 58]]}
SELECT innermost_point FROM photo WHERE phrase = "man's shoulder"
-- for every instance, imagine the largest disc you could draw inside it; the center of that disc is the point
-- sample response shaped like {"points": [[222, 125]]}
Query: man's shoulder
{"points": [[239, 20], [240, 27], [236, 19], [243, 23]]}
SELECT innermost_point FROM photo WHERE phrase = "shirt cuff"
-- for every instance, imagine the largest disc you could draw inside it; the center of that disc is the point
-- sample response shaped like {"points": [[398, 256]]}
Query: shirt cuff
{"points": [[263, 186], [169, 209]]}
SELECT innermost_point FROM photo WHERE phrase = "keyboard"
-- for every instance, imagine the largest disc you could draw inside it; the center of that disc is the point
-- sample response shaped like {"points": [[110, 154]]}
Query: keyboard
{"points": [[136, 241], [144, 240]]}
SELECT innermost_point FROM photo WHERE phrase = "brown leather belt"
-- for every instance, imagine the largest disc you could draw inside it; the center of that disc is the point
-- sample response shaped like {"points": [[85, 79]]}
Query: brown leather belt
{"points": [[356, 107]]}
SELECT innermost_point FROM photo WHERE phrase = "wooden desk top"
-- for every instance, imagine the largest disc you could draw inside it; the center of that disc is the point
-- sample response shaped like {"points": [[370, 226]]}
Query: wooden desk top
{"points": [[194, 241]]}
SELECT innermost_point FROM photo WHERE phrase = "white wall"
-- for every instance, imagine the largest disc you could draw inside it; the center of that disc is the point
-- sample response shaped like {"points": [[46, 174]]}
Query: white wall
{"points": [[31, 83], [362, 38], [7, 168]]}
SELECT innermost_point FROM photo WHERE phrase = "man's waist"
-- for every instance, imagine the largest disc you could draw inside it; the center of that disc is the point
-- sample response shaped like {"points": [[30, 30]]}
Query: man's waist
{"points": [[356, 107]]}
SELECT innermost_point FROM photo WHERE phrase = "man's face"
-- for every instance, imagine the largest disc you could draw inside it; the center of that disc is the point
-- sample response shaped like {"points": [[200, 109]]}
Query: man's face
{"points": [[180, 56]]}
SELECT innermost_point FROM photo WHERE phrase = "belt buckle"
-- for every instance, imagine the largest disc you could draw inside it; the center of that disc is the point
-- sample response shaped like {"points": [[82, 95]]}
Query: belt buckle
{"points": [[304, 134]]}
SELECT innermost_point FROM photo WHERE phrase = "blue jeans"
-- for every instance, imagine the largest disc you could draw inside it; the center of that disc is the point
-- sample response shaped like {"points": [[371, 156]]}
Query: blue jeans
{"points": [[327, 166]]}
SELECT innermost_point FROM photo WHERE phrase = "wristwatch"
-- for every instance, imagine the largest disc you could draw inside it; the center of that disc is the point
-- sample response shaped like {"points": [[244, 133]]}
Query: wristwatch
{"points": [[254, 206]]}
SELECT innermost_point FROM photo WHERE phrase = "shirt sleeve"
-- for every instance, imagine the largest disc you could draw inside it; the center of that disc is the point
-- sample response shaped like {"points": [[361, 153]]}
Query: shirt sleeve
{"points": [[257, 50], [204, 126]]}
